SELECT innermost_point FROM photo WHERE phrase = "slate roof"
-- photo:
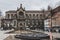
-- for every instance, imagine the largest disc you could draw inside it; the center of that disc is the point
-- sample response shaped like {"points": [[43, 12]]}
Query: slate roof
{"points": [[11, 11]]}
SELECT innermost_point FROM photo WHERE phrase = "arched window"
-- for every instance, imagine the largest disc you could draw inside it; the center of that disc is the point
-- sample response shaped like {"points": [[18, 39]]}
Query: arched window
{"points": [[21, 24], [11, 15], [21, 13], [8, 16], [37, 15], [15, 15], [33, 14], [30, 15], [41, 15], [26, 15], [14, 23]]}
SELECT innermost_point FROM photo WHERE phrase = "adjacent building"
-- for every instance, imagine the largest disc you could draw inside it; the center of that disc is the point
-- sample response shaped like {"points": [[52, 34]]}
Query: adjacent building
{"points": [[54, 21]]}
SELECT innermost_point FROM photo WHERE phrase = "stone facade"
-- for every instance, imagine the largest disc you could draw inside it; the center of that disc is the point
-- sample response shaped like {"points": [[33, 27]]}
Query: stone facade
{"points": [[22, 18]]}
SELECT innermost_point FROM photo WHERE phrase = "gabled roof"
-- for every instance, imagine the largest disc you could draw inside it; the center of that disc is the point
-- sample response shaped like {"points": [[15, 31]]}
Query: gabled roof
{"points": [[54, 11], [57, 9]]}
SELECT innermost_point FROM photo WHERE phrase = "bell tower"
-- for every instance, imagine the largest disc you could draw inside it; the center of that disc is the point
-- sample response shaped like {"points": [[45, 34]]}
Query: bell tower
{"points": [[20, 11], [20, 15]]}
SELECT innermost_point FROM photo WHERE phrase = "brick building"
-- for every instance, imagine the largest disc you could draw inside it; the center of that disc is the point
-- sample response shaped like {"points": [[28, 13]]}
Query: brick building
{"points": [[55, 19]]}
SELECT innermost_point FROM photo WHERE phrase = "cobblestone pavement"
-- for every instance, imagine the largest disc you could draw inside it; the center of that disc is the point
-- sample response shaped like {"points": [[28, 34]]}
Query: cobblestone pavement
{"points": [[11, 37]]}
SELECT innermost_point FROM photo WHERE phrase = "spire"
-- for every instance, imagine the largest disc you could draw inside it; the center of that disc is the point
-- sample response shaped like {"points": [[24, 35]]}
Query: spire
{"points": [[20, 5], [49, 7]]}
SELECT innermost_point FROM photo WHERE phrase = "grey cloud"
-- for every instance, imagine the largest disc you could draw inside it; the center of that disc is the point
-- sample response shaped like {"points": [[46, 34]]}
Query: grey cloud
{"points": [[28, 4]]}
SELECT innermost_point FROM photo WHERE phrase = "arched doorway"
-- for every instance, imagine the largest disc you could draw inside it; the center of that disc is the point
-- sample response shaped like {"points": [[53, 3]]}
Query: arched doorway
{"points": [[21, 25]]}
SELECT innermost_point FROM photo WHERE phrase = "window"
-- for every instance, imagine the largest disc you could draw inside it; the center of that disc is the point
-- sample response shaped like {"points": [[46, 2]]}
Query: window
{"points": [[21, 24], [37, 23], [37, 15], [8, 15], [20, 13], [29, 15], [26, 14], [28, 20], [32, 23], [28, 23], [15, 15], [24, 23], [11, 15], [33, 14], [40, 15], [14, 23]]}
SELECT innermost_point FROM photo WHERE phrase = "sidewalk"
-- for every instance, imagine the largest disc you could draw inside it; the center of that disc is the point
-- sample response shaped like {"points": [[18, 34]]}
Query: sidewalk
{"points": [[3, 35]]}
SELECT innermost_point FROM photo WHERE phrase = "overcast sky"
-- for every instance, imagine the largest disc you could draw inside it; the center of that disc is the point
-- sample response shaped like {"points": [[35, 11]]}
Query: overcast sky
{"points": [[28, 4]]}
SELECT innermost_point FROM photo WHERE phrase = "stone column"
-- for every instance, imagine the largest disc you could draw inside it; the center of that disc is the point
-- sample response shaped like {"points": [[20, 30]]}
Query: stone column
{"points": [[10, 16]]}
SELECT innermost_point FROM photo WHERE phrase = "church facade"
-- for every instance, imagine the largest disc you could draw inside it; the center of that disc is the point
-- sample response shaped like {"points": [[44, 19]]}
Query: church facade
{"points": [[22, 19]]}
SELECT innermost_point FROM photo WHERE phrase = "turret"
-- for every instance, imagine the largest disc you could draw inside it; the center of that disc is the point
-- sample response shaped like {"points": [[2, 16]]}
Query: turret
{"points": [[20, 5]]}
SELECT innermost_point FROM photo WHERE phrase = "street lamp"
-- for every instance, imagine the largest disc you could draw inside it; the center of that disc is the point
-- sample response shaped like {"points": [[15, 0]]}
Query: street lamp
{"points": [[51, 13], [51, 16]]}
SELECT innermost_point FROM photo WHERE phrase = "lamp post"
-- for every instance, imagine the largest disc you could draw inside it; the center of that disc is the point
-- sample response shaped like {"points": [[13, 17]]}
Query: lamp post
{"points": [[51, 37], [51, 17], [43, 17]]}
